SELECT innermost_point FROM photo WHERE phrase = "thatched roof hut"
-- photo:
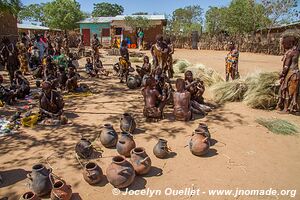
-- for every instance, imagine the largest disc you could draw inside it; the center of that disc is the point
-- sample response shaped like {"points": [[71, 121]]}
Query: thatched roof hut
{"points": [[8, 26]]}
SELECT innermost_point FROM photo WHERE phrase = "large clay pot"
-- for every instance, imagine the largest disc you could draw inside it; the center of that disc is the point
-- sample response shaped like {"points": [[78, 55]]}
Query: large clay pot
{"points": [[120, 173], [108, 136], [199, 144], [127, 123], [92, 173], [40, 180], [161, 149], [29, 196], [61, 191], [203, 128], [125, 144], [140, 161], [132, 82], [84, 148]]}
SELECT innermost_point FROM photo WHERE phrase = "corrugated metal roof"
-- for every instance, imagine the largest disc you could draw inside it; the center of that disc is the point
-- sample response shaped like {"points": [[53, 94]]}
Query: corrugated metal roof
{"points": [[31, 26], [150, 17], [94, 20]]}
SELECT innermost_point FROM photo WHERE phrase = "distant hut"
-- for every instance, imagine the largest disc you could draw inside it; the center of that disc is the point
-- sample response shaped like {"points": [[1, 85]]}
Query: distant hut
{"points": [[8, 26]]}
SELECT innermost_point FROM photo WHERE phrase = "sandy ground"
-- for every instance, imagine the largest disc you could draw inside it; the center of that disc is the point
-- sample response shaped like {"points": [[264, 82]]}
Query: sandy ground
{"points": [[244, 155]]}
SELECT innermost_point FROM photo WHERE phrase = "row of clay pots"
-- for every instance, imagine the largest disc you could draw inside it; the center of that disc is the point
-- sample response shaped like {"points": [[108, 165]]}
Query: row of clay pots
{"points": [[109, 138], [42, 183], [124, 146], [120, 173]]}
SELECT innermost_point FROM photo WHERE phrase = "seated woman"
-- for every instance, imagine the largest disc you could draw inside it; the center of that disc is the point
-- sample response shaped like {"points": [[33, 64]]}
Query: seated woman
{"points": [[145, 69], [90, 68], [6, 95], [51, 102], [182, 100], [50, 72], [196, 88], [98, 66], [154, 101], [20, 85], [71, 83]]}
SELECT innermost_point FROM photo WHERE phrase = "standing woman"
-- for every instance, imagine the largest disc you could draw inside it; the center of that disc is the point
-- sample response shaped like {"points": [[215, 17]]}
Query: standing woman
{"points": [[9, 57], [140, 38], [290, 75]]}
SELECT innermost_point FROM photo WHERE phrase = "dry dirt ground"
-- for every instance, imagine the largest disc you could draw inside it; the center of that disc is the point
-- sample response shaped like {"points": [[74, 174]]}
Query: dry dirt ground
{"points": [[245, 155]]}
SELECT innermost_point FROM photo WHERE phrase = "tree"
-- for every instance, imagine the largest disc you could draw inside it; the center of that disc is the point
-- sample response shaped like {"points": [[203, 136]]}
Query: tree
{"points": [[62, 14], [32, 12], [280, 11], [12, 6], [137, 22], [185, 20], [244, 16], [140, 13], [107, 10], [214, 20]]}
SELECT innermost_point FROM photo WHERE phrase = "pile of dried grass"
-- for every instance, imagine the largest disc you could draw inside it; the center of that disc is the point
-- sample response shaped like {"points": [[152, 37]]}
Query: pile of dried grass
{"points": [[262, 90], [180, 66], [208, 75], [278, 126], [229, 91]]}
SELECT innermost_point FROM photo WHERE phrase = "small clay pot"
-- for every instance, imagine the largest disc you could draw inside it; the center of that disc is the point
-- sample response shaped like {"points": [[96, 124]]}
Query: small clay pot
{"points": [[40, 181], [61, 191], [84, 148], [199, 144], [140, 161], [161, 150], [127, 123], [108, 136], [92, 173], [120, 173], [203, 128], [29, 196], [125, 144]]}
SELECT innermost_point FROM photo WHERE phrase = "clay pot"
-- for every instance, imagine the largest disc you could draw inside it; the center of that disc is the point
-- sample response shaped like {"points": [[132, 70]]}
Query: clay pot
{"points": [[161, 150], [61, 191], [120, 173], [29, 196], [203, 128], [132, 82], [127, 123], [84, 148], [199, 144], [125, 144], [92, 173], [108, 136], [40, 180], [140, 161]]}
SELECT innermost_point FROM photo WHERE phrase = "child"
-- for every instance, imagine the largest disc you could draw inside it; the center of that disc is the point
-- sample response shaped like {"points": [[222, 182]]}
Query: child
{"points": [[145, 69], [89, 68], [98, 66]]}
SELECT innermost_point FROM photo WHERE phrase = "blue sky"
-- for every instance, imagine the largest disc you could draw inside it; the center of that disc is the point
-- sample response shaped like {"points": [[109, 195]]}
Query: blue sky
{"points": [[150, 6]]}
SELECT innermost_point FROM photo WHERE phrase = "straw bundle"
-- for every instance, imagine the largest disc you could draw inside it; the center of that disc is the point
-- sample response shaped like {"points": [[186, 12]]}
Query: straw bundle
{"points": [[229, 91], [278, 126], [262, 90]]}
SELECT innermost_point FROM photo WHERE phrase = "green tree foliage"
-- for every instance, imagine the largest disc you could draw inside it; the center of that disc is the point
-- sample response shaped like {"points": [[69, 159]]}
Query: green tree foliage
{"points": [[214, 20], [62, 14], [240, 17], [32, 12], [137, 22], [12, 6], [185, 20], [281, 11], [107, 10]]}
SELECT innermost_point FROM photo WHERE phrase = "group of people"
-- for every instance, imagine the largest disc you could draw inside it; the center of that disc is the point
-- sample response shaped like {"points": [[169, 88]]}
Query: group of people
{"points": [[49, 61]]}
